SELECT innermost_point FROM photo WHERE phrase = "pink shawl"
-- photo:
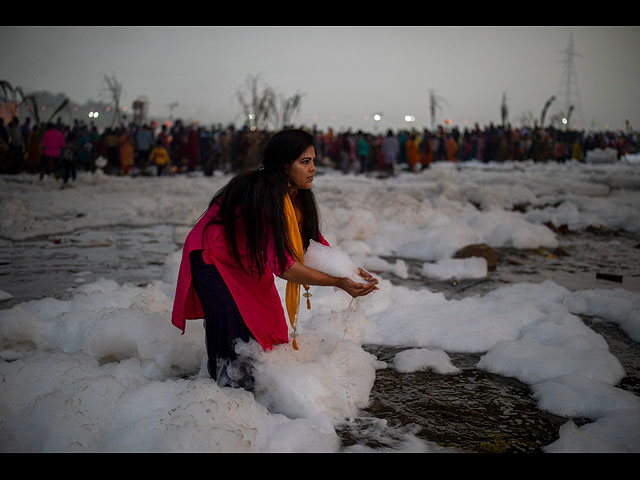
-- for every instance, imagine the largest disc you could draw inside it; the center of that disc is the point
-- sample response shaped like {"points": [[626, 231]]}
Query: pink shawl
{"points": [[257, 298]]}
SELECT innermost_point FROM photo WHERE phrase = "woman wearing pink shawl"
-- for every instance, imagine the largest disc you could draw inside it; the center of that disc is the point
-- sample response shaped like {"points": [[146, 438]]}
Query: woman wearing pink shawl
{"points": [[249, 233]]}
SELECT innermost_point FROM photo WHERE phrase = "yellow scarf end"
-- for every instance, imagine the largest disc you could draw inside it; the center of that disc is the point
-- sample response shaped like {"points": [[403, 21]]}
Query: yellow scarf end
{"points": [[308, 296], [294, 344]]}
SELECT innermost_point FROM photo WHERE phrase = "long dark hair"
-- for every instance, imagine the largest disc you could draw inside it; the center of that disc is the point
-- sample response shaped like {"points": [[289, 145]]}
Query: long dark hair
{"points": [[257, 195]]}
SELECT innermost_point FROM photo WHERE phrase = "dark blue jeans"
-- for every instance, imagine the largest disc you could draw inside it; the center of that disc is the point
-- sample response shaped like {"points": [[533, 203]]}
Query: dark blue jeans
{"points": [[224, 325]]}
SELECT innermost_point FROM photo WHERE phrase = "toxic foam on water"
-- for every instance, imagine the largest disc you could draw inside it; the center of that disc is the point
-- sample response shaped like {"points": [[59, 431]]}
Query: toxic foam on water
{"points": [[332, 261]]}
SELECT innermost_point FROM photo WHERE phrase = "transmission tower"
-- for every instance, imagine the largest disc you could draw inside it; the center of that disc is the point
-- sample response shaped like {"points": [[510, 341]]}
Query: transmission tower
{"points": [[570, 103]]}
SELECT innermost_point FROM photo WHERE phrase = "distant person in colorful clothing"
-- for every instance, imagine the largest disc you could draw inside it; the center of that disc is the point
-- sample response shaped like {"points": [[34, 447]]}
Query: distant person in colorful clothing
{"points": [[53, 142], [160, 157]]}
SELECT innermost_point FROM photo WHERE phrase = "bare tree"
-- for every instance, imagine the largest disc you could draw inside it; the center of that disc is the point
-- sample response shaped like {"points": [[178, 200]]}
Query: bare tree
{"points": [[504, 109], [113, 91], [172, 106], [527, 119], [555, 120], [571, 109], [435, 103], [288, 108], [257, 106], [545, 108], [11, 93], [140, 110], [10, 96], [264, 109]]}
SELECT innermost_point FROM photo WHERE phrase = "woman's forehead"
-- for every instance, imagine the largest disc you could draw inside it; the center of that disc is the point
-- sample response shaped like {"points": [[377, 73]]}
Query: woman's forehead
{"points": [[310, 152]]}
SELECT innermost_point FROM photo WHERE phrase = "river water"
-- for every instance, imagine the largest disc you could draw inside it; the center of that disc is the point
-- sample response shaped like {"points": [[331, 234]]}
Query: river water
{"points": [[475, 410], [472, 411]]}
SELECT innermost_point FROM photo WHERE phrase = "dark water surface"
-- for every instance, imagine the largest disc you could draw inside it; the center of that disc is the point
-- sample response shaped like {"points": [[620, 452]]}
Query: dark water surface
{"points": [[55, 265], [475, 410]]}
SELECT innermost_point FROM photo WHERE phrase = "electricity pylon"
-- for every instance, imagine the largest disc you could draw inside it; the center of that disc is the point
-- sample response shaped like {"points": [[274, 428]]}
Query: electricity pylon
{"points": [[569, 94]]}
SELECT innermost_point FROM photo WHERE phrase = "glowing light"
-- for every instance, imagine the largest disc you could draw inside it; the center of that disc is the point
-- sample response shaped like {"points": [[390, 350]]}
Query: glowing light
{"points": [[409, 118], [564, 121], [377, 117]]}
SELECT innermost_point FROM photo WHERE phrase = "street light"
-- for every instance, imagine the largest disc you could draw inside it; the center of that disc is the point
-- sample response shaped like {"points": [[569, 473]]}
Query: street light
{"points": [[377, 117]]}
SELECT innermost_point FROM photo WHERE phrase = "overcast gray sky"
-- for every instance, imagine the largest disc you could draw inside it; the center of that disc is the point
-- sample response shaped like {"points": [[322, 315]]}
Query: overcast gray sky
{"points": [[345, 73]]}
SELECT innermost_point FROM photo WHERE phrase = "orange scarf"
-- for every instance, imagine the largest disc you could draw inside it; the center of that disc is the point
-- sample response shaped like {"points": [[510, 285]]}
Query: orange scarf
{"points": [[292, 294]]}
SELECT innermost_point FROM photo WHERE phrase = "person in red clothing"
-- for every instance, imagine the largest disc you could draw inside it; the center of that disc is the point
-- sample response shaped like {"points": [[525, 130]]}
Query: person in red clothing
{"points": [[163, 137], [53, 142], [255, 227]]}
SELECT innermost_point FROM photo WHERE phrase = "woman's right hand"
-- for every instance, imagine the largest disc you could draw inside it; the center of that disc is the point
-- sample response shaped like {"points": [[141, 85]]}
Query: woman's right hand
{"points": [[357, 289], [300, 273]]}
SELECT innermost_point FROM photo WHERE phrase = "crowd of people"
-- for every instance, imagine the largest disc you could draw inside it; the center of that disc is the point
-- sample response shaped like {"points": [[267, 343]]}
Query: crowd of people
{"points": [[61, 150], [363, 152]]}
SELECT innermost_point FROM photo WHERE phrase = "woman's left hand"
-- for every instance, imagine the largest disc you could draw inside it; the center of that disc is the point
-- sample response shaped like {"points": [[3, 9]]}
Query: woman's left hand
{"points": [[366, 276]]}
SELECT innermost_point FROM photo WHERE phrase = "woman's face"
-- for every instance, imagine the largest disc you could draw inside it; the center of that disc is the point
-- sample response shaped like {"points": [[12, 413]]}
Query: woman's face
{"points": [[301, 171]]}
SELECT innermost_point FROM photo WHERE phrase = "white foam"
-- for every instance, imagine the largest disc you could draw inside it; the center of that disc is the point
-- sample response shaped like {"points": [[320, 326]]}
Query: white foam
{"points": [[460, 268], [332, 261], [106, 371], [420, 359]]}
